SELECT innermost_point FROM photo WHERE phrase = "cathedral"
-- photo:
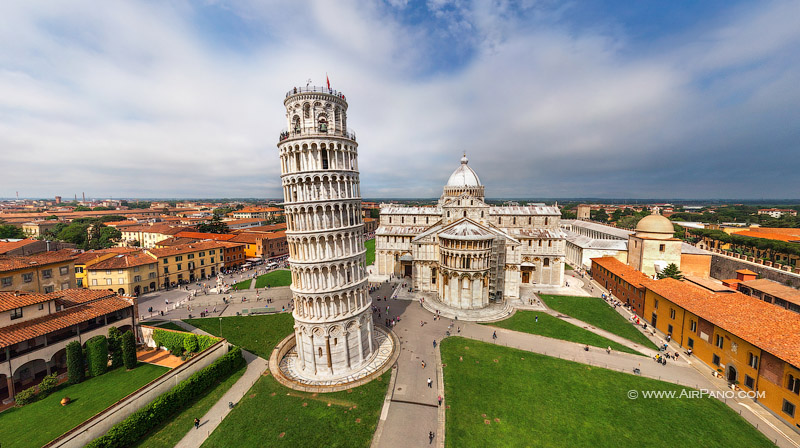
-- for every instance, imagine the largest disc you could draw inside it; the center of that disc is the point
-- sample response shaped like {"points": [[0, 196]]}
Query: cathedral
{"points": [[468, 253]]}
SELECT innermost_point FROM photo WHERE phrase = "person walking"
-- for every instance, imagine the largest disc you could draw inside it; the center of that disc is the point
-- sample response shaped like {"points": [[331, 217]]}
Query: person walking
{"points": [[430, 383], [440, 400], [494, 335], [423, 363], [430, 437], [434, 343], [196, 423]]}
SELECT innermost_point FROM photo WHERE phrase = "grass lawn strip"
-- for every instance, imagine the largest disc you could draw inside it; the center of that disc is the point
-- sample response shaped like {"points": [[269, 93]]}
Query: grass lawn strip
{"points": [[553, 327], [244, 284], [256, 334], [595, 311], [275, 278], [171, 326], [370, 245], [271, 415], [172, 432], [503, 397], [36, 424]]}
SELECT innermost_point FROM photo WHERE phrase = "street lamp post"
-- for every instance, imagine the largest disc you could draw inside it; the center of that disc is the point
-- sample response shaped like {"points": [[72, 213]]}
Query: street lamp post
{"points": [[220, 327]]}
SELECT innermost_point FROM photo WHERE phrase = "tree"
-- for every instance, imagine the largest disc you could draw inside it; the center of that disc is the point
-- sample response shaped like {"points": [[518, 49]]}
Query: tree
{"points": [[51, 217], [104, 237], [75, 366], [82, 208], [10, 231], [215, 226], [129, 350], [97, 355], [115, 347], [190, 343], [671, 271], [600, 215]]}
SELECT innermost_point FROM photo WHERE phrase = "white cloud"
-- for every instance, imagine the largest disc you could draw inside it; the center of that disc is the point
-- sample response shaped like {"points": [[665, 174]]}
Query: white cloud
{"points": [[139, 100]]}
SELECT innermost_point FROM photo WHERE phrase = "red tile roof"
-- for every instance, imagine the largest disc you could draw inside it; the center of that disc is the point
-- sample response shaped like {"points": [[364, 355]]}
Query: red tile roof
{"points": [[16, 262], [76, 296], [30, 329], [8, 246], [185, 248], [766, 326], [123, 261], [267, 228], [772, 233], [627, 273], [10, 299], [205, 236], [91, 255], [774, 289], [163, 229]]}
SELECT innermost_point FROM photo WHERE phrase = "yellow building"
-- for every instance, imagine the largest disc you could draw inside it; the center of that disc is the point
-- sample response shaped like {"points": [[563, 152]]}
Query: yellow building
{"points": [[146, 236], [186, 263], [88, 258], [753, 344], [131, 273], [42, 273]]}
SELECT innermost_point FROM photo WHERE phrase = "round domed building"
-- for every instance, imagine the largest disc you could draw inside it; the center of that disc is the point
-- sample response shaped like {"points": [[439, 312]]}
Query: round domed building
{"points": [[653, 246], [467, 253]]}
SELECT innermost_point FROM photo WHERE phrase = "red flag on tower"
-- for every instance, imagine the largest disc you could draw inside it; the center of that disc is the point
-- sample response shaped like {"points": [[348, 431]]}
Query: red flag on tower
{"points": [[328, 81]]}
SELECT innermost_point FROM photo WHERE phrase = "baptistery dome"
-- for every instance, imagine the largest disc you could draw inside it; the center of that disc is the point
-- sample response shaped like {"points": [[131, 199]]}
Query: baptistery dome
{"points": [[655, 226], [463, 176]]}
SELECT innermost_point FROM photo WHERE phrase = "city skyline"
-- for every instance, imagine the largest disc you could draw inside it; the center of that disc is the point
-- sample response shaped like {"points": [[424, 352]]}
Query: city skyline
{"points": [[556, 101]]}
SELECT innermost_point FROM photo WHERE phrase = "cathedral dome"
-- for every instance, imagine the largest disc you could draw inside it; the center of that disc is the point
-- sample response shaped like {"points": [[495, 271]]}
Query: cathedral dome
{"points": [[655, 226], [463, 176]]}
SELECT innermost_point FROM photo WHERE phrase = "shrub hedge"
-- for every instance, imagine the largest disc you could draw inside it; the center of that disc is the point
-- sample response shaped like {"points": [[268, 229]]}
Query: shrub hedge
{"points": [[26, 396], [128, 350], [97, 354], [76, 370], [115, 347], [128, 431], [175, 341], [48, 384], [190, 343]]}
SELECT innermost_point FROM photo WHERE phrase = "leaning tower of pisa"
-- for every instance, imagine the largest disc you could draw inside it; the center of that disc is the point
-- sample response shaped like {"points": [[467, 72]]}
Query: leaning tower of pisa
{"points": [[325, 232]]}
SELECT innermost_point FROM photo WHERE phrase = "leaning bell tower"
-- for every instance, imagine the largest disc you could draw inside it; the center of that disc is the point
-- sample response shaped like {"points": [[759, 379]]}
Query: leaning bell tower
{"points": [[325, 232]]}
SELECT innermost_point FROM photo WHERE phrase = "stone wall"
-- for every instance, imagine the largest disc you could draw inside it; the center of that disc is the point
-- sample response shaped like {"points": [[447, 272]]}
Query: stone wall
{"points": [[725, 267], [98, 425]]}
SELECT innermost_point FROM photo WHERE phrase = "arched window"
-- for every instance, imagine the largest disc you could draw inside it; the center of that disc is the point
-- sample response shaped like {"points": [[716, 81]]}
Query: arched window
{"points": [[465, 213], [324, 159], [546, 221], [546, 262], [296, 123], [320, 352], [307, 114]]}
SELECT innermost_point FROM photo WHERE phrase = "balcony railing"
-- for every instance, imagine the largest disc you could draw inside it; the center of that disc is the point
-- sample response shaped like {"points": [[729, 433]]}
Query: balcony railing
{"points": [[320, 130], [315, 89]]}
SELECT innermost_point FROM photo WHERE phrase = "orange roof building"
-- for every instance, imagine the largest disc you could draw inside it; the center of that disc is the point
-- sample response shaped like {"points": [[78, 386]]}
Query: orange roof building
{"points": [[36, 328]]}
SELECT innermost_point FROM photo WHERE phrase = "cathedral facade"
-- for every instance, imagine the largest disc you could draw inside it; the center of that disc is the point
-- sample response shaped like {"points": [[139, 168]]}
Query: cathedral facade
{"points": [[467, 252]]}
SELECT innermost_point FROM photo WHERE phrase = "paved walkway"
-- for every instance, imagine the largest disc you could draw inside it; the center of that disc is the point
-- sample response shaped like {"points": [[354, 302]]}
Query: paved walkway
{"points": [[208, 423]]}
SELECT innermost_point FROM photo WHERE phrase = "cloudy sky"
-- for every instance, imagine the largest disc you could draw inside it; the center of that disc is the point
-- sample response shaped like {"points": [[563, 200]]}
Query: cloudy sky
{"points": [[548, 99]]}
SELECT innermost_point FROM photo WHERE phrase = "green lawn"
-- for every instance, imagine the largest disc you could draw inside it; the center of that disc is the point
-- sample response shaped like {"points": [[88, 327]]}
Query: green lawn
{"points": [[504, 397], [36, 424], [170, 326], [553, 327], [273, 415], [244, 284], [595, 311], [370, 245], [170, 433], [256, 334], [280, 277], [567, 267]]}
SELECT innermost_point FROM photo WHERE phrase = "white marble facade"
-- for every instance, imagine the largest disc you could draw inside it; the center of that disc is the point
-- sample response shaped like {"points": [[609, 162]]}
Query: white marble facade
{"points": [[319, 174], [468, 252]]}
